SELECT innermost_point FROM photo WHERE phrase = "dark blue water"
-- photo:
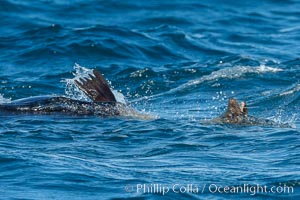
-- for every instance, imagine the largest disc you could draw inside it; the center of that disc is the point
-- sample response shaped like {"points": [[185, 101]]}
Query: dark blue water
{"points": [[179, 62]]}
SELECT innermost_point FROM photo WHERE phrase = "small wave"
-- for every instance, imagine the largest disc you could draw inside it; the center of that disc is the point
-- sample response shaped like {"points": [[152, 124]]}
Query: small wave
{"points": [[293, 90], [83, 28], [7, 6], [284, 121], [187, 42], [232, 73], [112, 31], [226, 73], [290, 29], [4, 100], [175, 21], [279, 105], [142, 73]]}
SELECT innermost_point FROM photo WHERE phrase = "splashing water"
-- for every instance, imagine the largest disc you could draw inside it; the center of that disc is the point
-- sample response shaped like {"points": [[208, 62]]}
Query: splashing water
{"points": [[119, 97], [73, 92], [4, 100], [280, 118]]}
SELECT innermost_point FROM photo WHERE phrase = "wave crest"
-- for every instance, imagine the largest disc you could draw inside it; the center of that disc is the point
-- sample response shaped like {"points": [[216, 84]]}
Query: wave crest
{"points": [[4, 100]]}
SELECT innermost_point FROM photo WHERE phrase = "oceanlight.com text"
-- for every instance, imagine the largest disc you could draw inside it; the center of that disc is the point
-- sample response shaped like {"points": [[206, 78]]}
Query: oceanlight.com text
{"points": [[164, 189]]}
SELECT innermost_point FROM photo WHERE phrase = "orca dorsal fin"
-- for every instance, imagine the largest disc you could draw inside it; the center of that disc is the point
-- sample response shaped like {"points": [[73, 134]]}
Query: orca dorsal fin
{"points": [[96, 87]]}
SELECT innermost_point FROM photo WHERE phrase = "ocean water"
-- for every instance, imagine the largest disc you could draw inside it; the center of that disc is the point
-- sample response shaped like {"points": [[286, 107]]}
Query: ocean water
{"points": [[178, 62]]}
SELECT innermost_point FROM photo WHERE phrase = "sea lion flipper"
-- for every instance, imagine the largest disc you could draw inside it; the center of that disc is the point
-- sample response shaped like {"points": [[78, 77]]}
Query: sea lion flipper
{"points": [[96, 87]]}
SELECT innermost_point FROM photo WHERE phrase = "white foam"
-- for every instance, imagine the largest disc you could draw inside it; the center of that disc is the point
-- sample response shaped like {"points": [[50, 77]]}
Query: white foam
{"points": [[232, 73], [81, 71], [280, 118], [294, 89], [289, 29], [71, 90], [119, 96], [83, 28], [4, 100]]}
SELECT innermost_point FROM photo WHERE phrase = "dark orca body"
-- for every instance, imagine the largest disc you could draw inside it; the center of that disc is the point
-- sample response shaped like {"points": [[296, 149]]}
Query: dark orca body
{"points": [[94, 86], [48, 104]]}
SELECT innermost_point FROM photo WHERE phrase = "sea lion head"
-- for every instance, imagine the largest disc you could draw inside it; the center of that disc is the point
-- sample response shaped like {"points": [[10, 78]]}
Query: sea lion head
{"points": [[235, 112]]}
